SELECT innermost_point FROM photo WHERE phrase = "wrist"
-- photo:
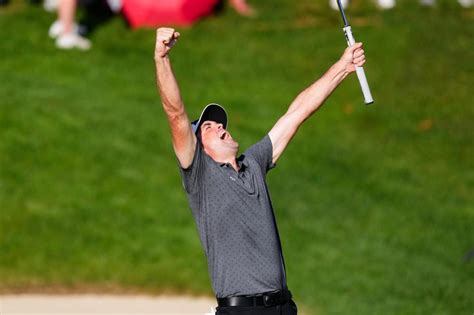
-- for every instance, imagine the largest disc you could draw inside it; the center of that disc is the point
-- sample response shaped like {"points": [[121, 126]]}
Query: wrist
{"points": [[161, 59], [341, 66]]}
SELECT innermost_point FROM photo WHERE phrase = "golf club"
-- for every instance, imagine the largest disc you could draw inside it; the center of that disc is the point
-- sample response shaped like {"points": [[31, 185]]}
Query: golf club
{"points": [[360, 70]]}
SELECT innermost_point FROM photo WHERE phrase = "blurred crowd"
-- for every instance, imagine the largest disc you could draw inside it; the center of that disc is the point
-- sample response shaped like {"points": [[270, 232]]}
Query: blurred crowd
{"points": [[390, 4], [68, 33], [71, 34]]}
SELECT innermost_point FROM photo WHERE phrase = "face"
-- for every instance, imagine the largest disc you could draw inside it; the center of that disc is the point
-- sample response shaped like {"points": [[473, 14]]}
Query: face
{"points": [[217, 141]]}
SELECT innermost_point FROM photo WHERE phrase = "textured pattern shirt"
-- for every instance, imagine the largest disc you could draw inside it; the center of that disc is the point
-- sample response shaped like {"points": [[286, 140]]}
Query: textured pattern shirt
{"points": [[235, 220]]}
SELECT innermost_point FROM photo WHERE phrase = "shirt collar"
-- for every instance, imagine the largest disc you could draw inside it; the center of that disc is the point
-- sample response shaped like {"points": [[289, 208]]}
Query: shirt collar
{"points": [[241, 162]]}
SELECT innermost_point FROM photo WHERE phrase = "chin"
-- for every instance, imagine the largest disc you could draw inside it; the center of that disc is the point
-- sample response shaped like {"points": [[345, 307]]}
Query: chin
{"points": [[235, 145]]}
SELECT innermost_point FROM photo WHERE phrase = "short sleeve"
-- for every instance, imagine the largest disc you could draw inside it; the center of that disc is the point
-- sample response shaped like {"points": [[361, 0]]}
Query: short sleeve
{"points": [[262, 153], [191, 176]]}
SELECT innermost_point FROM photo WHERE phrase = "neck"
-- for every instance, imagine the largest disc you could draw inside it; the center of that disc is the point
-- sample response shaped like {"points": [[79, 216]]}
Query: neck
{"points": [[234, 164], [229, 159]]}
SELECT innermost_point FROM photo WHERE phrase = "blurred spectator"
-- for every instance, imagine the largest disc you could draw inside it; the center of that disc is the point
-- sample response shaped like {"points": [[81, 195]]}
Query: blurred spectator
{"points": [[466, 3], [386, 4], [463, 3], [51, 5], [97, 12], [5, 2], [65, 30], [389, 4], [334, 6], [428, 2], [242, 7]]}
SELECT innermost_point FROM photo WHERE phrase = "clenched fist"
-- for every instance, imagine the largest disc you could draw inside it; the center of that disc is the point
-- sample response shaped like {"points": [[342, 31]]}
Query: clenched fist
{"points": [[166, 38], [353, 56]]}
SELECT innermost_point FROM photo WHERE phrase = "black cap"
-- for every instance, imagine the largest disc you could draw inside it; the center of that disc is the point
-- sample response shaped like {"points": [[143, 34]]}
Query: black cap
{"points": [[213, 112]]}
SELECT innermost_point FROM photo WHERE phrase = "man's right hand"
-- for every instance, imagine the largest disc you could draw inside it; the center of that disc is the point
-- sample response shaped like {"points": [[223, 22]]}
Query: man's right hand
{"points": [[165, 39]]}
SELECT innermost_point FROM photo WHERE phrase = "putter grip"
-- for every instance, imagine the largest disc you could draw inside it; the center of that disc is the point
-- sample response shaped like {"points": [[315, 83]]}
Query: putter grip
{"points": [[359, 70]]}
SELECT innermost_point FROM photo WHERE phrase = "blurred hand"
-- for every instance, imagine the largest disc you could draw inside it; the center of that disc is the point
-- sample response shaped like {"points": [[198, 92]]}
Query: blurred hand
{"points": [[166, 38], [353, 56]]}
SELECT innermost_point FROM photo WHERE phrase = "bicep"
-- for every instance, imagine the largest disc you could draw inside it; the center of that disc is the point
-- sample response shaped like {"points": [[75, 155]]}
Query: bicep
{"points": [[283, 131], [184, 140]]}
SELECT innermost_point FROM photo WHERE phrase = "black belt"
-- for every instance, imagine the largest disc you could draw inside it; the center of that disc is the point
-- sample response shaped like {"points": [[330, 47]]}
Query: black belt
{"points": [[266, 299]]}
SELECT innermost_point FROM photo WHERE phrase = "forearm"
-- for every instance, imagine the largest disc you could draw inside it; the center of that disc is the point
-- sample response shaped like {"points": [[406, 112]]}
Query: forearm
{"points": [[310, 99], [168, 88]]}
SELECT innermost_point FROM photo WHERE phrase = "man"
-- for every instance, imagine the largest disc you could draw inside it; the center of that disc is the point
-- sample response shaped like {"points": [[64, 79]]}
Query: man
{"points": [[228, 195]]}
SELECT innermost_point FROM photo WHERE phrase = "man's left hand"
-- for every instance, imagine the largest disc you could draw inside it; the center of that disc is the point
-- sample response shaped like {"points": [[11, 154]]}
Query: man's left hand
{"points": [[353, 56]]}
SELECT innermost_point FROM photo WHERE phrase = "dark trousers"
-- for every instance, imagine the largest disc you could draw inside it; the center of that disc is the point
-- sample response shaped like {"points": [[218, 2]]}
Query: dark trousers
{"points": [[288, 308]]}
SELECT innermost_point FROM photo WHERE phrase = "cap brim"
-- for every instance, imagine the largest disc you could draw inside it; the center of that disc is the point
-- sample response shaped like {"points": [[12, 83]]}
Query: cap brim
{"points": [[212, 112]]}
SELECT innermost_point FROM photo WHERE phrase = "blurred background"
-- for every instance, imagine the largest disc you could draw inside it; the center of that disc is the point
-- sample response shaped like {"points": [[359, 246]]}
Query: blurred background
{"points": [[375, 204]]}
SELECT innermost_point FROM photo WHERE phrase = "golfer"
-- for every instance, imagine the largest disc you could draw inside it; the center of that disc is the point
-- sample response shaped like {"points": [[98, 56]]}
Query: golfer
{"points": [[227, 193]]}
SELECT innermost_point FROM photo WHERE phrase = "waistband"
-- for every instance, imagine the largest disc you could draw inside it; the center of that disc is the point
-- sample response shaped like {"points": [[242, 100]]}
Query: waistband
{"points": [[266, 299]]}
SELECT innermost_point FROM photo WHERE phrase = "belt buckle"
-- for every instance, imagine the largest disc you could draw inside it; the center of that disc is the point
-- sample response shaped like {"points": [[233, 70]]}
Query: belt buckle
{"points": [[271, 299], [268, 300]]}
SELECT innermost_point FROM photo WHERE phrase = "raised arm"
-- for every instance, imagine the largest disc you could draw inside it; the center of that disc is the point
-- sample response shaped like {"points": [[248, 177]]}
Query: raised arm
{"points": [[309, 100], [184, 140]]}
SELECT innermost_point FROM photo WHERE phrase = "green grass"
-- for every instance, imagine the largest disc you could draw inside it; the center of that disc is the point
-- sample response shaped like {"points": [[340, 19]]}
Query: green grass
{"points": [[375, 204]]}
